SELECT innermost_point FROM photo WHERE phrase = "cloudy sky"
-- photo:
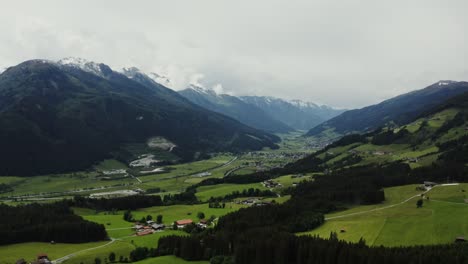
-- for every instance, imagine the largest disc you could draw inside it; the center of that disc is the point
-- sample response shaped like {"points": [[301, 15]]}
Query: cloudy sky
{"points": [[342, 53]]}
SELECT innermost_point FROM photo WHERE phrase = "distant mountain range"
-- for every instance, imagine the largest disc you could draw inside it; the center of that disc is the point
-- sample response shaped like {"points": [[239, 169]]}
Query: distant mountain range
{"points": [[67, 115], [234, 107], [395, 111], [297, 114], [266, 113]]}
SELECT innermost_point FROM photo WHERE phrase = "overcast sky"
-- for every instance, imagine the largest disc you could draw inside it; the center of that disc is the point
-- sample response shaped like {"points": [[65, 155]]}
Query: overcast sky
{"points": [[341, 53]]}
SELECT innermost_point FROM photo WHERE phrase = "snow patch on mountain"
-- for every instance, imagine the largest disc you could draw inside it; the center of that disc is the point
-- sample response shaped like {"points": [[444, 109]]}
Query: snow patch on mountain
{"points": [[202, 90], [161, 79], [303, 104], [446, 82], [85, 65], [133, 72]]}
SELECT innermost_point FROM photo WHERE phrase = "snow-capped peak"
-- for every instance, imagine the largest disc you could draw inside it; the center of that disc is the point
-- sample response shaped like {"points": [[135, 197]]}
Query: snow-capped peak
{"points": [[132, 72], [203, 90], [2, 69], [302, 104], [446, 82], [85, 65], [160, 79]]}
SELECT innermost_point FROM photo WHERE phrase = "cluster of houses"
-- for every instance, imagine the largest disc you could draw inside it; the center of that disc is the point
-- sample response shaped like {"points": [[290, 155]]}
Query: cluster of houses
{"points": [[271, 184], [280, 155], [150, 227], [369, 152], [253, 202], [319, 145]]}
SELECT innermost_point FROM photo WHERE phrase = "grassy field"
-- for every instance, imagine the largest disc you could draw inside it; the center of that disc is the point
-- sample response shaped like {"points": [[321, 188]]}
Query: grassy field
{"points": [[440, 220], [114, 223], [205, 192], [118, 229], [28, 251]]}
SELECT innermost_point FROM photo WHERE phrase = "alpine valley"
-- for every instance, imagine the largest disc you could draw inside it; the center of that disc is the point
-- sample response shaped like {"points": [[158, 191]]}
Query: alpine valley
{"points": [[112, 166]]}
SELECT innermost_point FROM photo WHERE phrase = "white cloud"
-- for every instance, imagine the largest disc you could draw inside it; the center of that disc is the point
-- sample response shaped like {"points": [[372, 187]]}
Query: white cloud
{"points": [[346, 53], [218, 88]]}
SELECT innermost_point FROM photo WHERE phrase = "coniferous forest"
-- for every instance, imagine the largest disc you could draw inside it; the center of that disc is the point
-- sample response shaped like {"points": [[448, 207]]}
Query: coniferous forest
{"points": [[46, 223]]}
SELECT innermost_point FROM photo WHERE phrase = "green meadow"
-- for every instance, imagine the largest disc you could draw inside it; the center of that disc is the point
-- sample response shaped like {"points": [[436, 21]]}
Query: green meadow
{"points": [[205, 192], [441, 219]]}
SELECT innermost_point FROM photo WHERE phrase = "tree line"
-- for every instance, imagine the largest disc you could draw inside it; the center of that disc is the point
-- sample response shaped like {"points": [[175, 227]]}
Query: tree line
{"points": [[132, 202], [46, 223]]}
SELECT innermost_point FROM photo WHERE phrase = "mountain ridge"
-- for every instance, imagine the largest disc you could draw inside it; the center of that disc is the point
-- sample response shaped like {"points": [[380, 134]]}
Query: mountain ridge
{"points": [[57, 118], [399, 110], [234, 107]]}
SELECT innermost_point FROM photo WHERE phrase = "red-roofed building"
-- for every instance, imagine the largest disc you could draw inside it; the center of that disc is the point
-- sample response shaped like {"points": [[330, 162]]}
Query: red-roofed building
{"points": [[183, 222], [144, 233]]}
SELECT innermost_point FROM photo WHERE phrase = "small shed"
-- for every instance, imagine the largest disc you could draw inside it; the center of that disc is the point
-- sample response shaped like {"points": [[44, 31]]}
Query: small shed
{"points": [[460, 239]]}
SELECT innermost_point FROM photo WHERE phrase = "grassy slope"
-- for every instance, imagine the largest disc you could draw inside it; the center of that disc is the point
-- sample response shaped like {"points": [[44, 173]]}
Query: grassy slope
{"points": [[28, 251], [205, 192], [426, 151], [441, 219]]}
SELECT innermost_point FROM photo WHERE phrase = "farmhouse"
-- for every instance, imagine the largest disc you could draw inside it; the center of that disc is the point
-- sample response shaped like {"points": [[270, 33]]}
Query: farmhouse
{"points": [[42, 259], [182, 223], [203, 223], [429, 184], [460, 239], [138, 226], [158, 227]]}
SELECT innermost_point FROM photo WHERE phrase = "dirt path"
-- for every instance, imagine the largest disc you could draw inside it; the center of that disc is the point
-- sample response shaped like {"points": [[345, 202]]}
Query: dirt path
{"points": [[388, 206], [64, 258]]}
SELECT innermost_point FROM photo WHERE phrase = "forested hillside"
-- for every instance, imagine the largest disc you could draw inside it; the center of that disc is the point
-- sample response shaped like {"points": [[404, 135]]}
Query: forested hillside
{"points": [[392, 112], [59, 117], [433, 147]]}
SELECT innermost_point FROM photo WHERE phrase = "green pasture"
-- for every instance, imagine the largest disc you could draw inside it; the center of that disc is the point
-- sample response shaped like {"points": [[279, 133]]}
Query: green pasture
{"points": [[441, 219]]}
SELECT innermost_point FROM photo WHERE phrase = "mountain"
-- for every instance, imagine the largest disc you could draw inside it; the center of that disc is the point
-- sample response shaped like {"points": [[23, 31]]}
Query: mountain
{"points": [[398, 110], [65, 116], [297, 114], [234, 107], [432, 146], [153, 78]]}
